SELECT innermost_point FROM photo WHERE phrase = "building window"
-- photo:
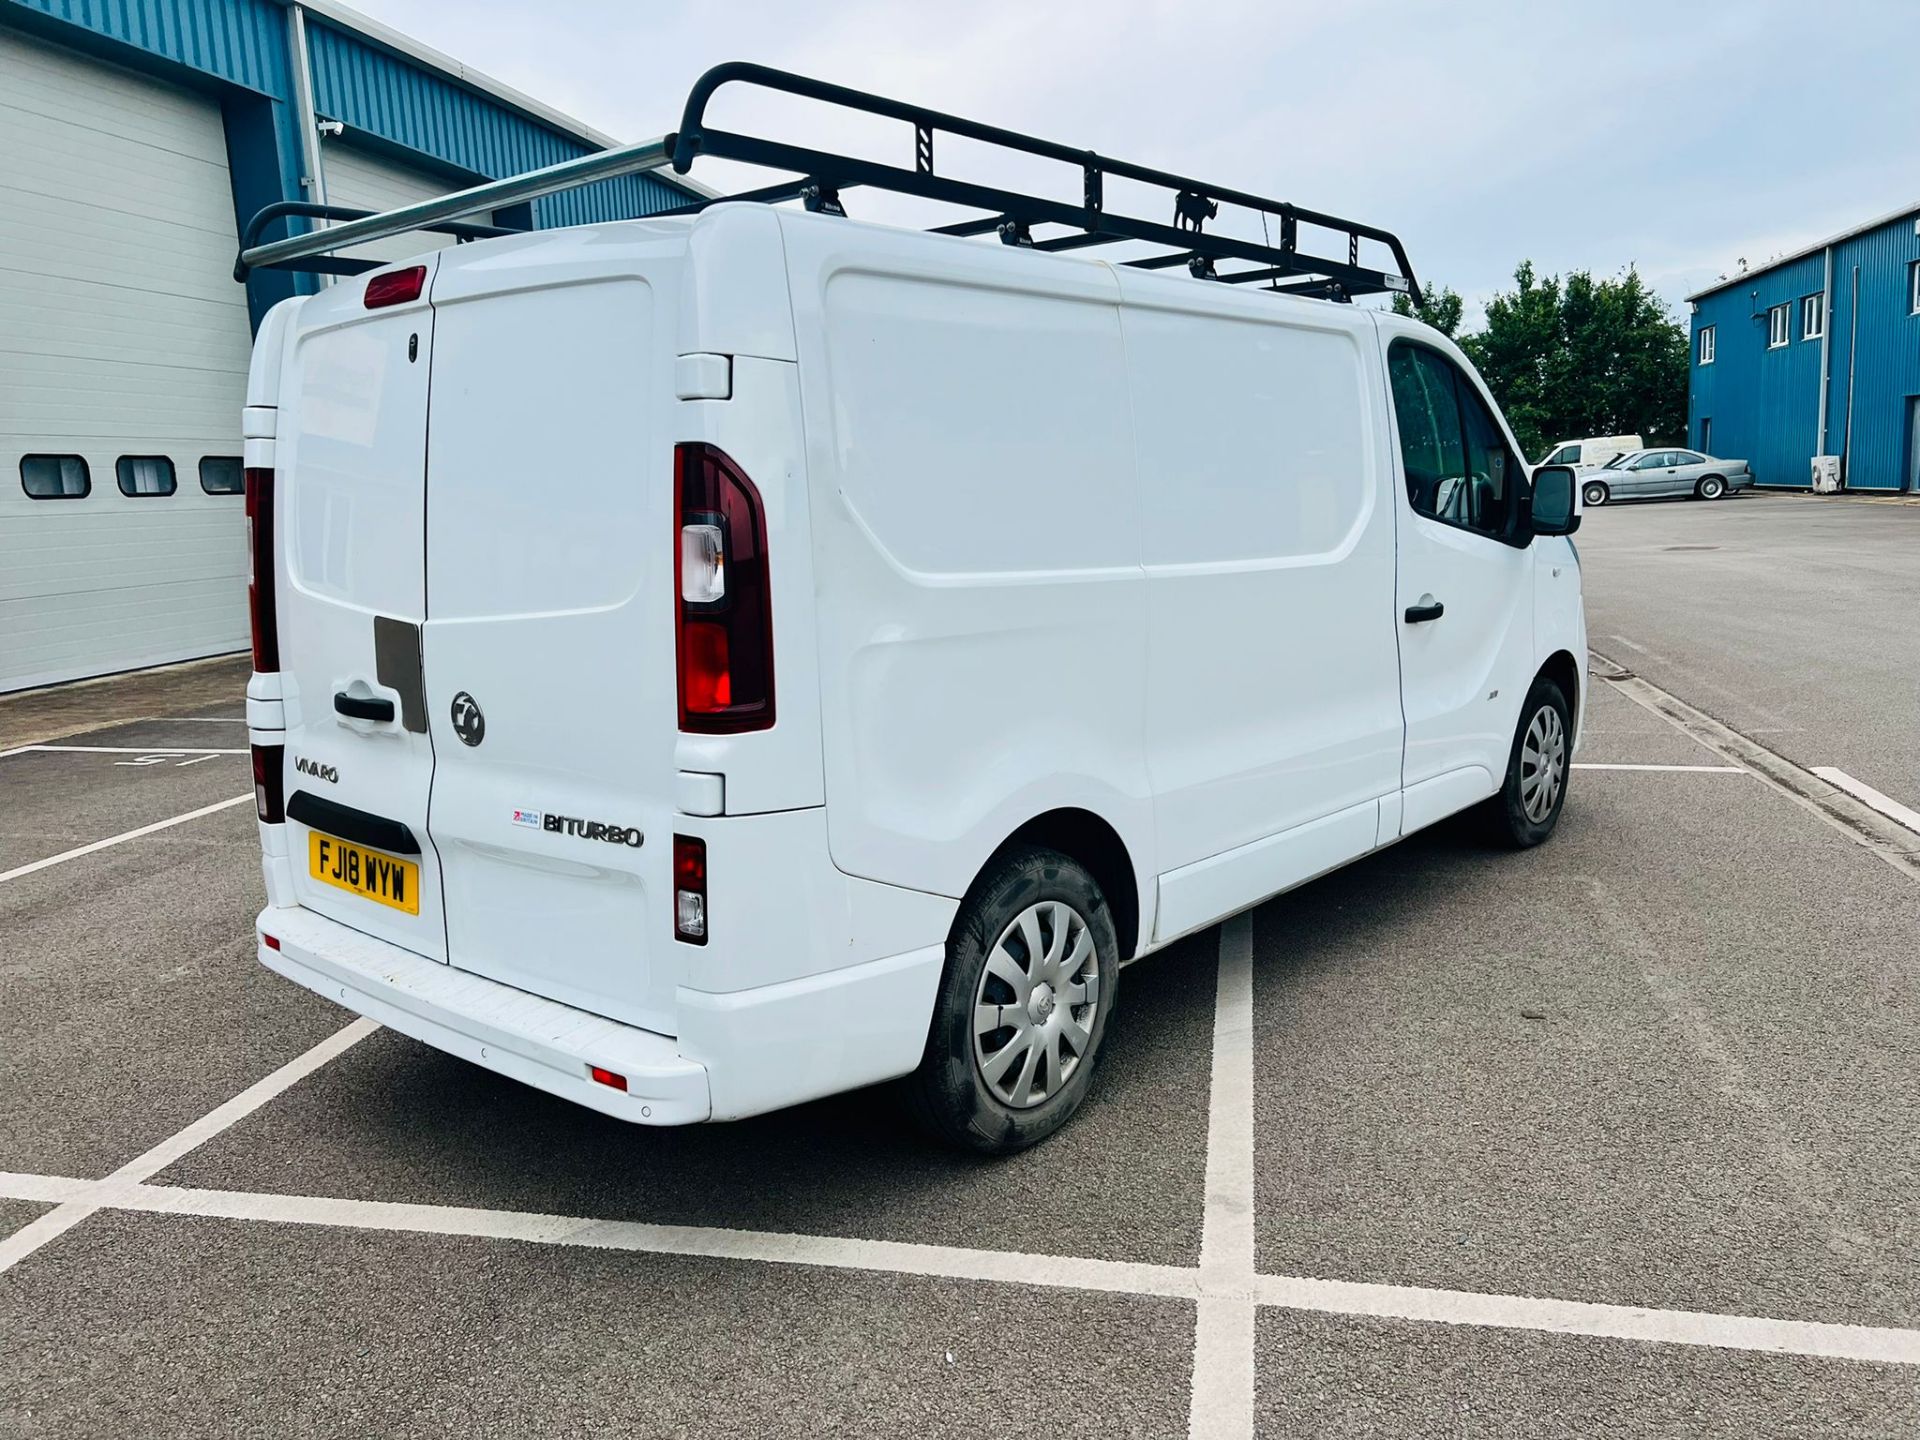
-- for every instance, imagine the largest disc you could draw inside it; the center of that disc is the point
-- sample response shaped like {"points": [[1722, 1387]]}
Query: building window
{"points": [[55, 477], [222, 475], [1913, 288], [1706, 345], [1777, 327], [1813, 317], [144, 475]]}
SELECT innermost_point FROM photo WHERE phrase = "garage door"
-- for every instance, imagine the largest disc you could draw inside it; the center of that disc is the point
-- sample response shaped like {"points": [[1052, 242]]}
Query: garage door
{"points": [[123, 356], [363, 181]]}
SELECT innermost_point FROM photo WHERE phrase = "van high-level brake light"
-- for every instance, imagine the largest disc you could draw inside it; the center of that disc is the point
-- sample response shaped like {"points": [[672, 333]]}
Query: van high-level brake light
{"points": [[721, 595], [395, 287]]}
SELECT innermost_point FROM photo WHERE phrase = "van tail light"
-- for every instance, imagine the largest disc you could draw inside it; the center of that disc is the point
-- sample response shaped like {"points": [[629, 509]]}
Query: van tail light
{"points": [[690, 889], [261, 611], [269, 772], [723, 602], [395, 287]]}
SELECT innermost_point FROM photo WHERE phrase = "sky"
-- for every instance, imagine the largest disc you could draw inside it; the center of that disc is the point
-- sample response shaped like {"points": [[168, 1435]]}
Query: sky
{"points": [[1678, 137]]}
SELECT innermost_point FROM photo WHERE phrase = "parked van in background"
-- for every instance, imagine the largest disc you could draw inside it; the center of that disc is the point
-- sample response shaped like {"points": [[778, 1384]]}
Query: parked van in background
{"points": [[1592, 452], [810, 653]]}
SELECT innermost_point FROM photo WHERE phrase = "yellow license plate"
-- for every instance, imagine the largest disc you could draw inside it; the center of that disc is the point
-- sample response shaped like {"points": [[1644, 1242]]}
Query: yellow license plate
{"points": [[363, 872]]}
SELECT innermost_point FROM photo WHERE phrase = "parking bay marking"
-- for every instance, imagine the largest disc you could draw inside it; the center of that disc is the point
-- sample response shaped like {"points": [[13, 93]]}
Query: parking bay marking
{"points": [[1888, 806], [121, 750], [1714, 1330], [1679, 769], [115, 1190], [1222, 1401], [74, 854]]}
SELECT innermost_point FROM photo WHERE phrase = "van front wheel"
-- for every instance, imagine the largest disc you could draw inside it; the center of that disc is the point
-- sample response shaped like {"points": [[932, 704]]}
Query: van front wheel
{"points": [[1032, 968], [1528, 806]]}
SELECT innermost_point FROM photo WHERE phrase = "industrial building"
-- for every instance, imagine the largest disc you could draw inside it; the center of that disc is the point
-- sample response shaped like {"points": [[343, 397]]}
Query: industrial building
{"points": [[1816, 354], [136, 136]]}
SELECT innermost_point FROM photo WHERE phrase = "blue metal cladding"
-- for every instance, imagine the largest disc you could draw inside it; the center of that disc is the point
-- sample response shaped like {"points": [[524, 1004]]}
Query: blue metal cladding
{"points": [[1764, 403], [386, 96], [243, 42], [1886, 348]]}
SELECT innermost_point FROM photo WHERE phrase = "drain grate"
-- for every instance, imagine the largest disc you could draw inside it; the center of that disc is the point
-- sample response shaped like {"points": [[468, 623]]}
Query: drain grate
{"points": [[1690, 547]]}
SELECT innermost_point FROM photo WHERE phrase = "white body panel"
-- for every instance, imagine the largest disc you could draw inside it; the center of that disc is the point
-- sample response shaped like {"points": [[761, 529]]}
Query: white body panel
{"points": [[1589, 452], [1042, 537], [121, 333]]}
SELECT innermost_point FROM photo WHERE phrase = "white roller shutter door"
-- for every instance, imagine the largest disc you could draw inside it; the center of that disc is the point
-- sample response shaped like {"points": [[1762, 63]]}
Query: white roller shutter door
{"points": [[122, 334]]}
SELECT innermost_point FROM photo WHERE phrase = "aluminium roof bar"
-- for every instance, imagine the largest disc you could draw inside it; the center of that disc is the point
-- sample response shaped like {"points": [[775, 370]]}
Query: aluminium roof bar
{"points": [[494, 194]]}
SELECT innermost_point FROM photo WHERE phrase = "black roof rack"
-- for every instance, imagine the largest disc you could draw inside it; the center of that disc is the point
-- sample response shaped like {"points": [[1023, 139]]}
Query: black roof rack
{"points": [[1182, 237], [1015, 216]]}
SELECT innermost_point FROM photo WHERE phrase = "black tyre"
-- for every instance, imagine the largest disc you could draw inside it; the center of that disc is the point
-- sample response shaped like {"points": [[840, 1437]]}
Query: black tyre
{"points": [[1711, 487], [1032, 970], [1528, 806], [1594, 492]]}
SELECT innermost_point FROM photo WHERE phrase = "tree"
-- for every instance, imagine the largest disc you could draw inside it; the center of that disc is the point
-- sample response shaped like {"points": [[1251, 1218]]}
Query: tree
{"points": [[1582, 357], [1573, 357], [1438, 307]]}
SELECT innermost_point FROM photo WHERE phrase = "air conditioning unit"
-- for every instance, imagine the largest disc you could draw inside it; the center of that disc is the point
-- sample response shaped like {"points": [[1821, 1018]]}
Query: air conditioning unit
{"points": [[1826, 474]]}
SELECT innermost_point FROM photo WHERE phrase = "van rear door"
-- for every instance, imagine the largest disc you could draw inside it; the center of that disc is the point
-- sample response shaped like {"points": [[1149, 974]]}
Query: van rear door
{"points": [[549, 641], [351, 491]]}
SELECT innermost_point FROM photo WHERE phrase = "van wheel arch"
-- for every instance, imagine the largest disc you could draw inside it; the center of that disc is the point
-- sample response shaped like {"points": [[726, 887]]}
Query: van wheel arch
{"points": [[1090, 841], [1564, 671]]}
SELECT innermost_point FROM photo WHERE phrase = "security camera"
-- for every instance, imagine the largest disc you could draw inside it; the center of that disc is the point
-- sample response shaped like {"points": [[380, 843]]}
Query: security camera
{"points": [[332, 129]]}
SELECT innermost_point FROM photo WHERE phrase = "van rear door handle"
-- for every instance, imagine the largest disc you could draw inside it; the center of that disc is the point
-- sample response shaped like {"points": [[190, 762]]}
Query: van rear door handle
{"points": [[362, 707], [1419, 614]]}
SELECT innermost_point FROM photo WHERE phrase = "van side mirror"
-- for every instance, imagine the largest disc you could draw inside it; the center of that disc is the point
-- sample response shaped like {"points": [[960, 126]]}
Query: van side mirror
{"points": [[1556, 510]]}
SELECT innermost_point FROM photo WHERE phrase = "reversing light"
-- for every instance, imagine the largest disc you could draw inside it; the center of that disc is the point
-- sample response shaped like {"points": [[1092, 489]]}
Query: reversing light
{"points": [[722, 597], [607, 1077], [690, 889], [395, 287], [269, 767]]}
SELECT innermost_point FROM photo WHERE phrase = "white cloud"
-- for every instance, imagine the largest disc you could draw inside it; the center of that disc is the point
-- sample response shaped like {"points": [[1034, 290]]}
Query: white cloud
{"points": [[1671, 136]]}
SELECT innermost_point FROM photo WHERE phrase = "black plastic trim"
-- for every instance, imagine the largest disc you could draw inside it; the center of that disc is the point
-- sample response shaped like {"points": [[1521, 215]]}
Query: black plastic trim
{"points": [[332, 818]]}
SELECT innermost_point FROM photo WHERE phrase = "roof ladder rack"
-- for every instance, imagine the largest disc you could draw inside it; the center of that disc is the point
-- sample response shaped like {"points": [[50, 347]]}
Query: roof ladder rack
{"points": [[1038, 222]]}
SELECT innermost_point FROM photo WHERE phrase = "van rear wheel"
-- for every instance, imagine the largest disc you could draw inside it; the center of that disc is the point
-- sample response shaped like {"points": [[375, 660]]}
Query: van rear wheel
{"points": [[1032, 968], [1528, 806]]}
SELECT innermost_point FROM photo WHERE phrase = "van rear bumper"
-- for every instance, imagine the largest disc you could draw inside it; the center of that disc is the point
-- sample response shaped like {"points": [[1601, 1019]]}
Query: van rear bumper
{"points": [[536, 1041]]}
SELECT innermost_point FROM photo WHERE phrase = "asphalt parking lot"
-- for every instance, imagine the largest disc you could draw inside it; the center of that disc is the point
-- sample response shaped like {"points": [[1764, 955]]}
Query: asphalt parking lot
{"points": [[1611, 1137]]}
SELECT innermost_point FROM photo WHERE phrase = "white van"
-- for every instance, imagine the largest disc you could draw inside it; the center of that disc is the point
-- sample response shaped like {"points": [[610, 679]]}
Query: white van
{"points": [[1592, 452], [711, 662]]}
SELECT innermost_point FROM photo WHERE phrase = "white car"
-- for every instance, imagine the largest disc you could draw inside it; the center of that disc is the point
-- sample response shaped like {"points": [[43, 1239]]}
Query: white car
{"points": [[714, 661]]}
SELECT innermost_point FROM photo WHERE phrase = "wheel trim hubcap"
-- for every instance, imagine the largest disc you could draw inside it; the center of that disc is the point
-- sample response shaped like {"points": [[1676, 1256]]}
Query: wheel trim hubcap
{"points": [[1035, 1006], [1543, 763]]}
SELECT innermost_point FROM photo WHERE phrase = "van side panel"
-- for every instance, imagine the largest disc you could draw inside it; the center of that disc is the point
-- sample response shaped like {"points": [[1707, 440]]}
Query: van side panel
{"points": [[1267, 533], [976, 548]]}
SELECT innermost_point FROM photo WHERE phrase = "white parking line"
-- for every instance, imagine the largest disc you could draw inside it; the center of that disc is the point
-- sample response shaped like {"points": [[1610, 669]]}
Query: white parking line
{"points": [[1579, 1317], [78, 851], [1888, 806], [1223, 1338], [1883, 1344], [1683, 769], [130, 1176], [201, 750]]}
